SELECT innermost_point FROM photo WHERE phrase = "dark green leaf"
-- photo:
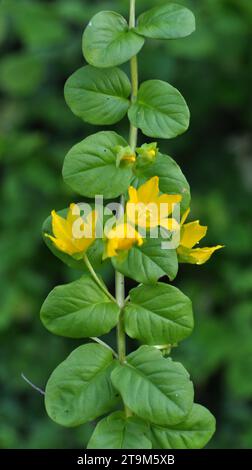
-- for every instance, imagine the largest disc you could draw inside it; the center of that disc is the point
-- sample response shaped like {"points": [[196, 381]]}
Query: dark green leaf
{"points": [[147, 263], [159, 314], [90, 166], [160, 110], [107, 40], [118, 432], [192, 433], [98, 96], [169, 21], [79, 310], [79, 389], [154, 388]]}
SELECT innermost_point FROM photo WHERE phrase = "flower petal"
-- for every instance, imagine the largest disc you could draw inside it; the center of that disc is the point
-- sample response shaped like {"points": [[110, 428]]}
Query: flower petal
{"points": [[196, 255], [169, 224], [169, 198], [184, 216], [149, 191], [122, 238], [192, 233], [132, 195], [62, 245], [203, 254], [60, 227], [72, 214]]}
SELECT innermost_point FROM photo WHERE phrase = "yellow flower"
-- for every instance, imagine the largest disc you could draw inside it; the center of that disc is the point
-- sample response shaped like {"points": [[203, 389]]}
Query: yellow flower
{"points": [[120, 239], [191, 233], [146, 208], [72, 235]]}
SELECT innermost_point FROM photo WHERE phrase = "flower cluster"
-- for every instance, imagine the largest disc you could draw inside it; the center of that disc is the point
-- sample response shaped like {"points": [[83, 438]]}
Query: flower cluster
{"points": [[146, 208]]}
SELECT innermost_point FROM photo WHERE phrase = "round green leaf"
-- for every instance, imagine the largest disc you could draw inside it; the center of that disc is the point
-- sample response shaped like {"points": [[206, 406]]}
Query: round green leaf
{"points": [[171, 178], [160, 110], [108, 41], [192, 433], [148, 262], [154, 388], [169, 21], [159, 314], [94, 252], [98, 96], [90, 166], [118, 432], [79, 389], [79, 310]]}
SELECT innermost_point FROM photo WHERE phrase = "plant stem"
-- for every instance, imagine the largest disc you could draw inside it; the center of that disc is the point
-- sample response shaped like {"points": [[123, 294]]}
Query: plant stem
{"points": [[96, 278], [121, 340], [119, 278], [134, 77], [120, 298]]}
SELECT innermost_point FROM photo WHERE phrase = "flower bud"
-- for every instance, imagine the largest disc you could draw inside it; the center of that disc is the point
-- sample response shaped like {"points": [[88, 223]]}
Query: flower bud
{"points": [[125, 156], [147, 154]]}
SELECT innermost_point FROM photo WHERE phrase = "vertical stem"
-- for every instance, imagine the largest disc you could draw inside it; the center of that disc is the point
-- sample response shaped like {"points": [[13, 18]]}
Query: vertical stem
{"points": [[120, 298], [120, 294], [134, 77], [132, 14], [119, 278]]}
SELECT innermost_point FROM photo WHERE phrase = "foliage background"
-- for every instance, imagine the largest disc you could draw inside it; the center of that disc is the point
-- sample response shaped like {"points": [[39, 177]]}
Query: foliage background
{"points": [[41, 46]]}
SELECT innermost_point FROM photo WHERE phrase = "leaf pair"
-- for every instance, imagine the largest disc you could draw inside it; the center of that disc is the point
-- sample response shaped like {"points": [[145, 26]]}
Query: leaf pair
{"points": [[108, 41], [118, 432], [86, 384], [100, 96], [159, 314], [91, 168]]}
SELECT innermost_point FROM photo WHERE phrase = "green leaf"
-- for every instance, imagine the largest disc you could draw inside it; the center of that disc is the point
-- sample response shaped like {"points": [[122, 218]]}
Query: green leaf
{"points": [[159, 314], [98, 96], [94, 252], [192, 433], [169, 21], [171, 178], [160, 110], [90, 166], [156, 389], [148, 262], [79, 389], [118, 432], [79, 310], [108, 41]]}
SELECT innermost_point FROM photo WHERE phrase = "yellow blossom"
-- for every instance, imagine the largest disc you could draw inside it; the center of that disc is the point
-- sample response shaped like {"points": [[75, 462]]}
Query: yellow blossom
{"points": [[120, 239], [190, 234], [146, 208], [72, 235]]}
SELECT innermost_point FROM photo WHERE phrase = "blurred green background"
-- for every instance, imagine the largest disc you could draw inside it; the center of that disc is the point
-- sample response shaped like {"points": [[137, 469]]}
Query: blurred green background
{"points": [[41, 46]]}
